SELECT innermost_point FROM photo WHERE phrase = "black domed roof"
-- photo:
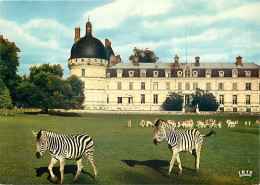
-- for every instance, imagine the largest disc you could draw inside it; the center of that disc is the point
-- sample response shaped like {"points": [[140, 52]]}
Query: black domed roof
{"points": [[88, 47]]}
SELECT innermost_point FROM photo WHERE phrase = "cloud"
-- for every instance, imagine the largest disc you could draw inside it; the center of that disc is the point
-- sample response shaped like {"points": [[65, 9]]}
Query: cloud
{"points": [[110, 16]]}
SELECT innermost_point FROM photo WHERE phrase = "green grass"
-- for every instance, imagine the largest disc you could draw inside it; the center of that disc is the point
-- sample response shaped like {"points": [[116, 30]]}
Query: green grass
{"points": [[127, 155]]}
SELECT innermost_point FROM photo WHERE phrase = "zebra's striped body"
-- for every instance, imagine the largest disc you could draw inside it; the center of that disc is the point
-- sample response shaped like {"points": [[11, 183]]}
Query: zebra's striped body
{"points": [[179, 141], [63, 147]]}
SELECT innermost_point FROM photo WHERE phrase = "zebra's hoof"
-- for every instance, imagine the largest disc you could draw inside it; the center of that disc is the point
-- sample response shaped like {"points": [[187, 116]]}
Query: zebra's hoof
{"points": [[169, 174], [55, 179], [96, 177], [180, 173]]}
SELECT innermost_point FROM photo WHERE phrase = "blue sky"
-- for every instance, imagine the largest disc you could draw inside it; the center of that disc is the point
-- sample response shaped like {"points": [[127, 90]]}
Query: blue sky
{"points": [[217, 31]]}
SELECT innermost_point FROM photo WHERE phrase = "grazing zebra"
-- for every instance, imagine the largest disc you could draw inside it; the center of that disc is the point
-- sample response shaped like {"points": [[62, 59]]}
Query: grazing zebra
{"points": [[63, 147], [179, 141]]}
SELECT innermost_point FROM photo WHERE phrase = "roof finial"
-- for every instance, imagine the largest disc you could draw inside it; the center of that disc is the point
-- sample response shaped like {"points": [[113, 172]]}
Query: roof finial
{"points": [[88, 18]]}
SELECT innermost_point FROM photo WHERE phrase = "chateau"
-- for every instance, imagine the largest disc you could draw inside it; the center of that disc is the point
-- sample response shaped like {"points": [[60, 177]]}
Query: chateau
{"points": [[111, 84]]}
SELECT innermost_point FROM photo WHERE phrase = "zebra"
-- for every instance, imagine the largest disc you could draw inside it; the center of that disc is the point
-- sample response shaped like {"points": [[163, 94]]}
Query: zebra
{"points": [[63, 147], [179, 141]]}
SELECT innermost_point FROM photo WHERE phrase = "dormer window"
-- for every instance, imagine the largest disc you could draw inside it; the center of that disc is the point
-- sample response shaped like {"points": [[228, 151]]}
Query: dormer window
{"points": [[195, 73], [167, 73], [221, 73], [234, 73], [119, 73], [131, 73], [155, 73], [208, 73], [187, 72], [179, 73], [247, 73], [143, 73]]}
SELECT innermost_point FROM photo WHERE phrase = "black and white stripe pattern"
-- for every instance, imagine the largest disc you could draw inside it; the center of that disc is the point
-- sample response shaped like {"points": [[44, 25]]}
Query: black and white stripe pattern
{"points": [[63, 147], [179, 141]]}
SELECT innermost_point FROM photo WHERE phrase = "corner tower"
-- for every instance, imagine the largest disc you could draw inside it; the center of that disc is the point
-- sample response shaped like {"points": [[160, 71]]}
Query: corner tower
{"points": [[88, 61]]}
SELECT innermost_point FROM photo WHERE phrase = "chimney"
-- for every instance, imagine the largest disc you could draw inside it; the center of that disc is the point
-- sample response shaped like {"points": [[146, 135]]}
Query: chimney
{"points": [[197, 61], [176, 61], [239, 61], [118, 59], [136, 63], [107, 43], [77, 34], [113, 60]]}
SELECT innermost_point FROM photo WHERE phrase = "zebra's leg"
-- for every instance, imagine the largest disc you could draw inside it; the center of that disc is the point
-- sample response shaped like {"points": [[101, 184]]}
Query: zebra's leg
{"points": [[80, 167], [92, 161], [179, 163], [62, 164], [53, 162], [197, 158], [174, 155]]}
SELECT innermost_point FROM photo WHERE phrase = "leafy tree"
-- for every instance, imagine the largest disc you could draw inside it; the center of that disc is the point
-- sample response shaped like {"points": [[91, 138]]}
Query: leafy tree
{"points": [[144, 56], [206, 100], [44, 88], [173, 102], [6, 101], [9, 63]]}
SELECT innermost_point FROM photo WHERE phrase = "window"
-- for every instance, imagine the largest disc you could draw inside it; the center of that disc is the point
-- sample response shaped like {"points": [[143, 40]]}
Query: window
{"points": [[208, 86], [119, 73], [131, 73], [221, 86], [142, 85], [155, 98], [221, 73], [208, 73], [179, 86], [187, 86], [195, 73], [248, 99], [221, 109], [234, 87], [131, 85], [143, 73], [119, 100], [130, 100], [179, 73], [155, 73], [167, 73], [155, 86], [119, 85], [221, 99], [234, 99], [168, 86], [248, 109], [234, 109], [195, 85], [248, 86], [142, 98], [82, 72], [107, 98]]}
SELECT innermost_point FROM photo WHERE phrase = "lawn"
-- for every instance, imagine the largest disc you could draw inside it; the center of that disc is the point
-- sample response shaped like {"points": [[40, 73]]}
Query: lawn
{"points": [[127, 155]]}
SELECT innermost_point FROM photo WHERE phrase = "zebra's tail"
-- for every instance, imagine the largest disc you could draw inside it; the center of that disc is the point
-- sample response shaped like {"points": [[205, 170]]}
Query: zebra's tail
{"points": [[209, 134]]}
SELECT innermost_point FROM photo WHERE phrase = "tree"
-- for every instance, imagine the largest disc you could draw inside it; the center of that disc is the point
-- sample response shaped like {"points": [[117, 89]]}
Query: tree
{"points": [[173, 102], [144, 56], [9, 63], [44, 88], [6, 101], [206, 100]]}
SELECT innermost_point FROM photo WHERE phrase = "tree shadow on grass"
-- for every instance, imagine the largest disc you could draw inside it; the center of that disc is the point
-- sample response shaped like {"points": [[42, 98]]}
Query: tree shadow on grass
{"points": [[62, 114], [69, 169], [158, 165]]}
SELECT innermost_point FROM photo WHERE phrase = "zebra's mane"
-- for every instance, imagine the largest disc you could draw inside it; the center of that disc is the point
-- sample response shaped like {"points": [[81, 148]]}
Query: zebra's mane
{"points": [[165, 124]]}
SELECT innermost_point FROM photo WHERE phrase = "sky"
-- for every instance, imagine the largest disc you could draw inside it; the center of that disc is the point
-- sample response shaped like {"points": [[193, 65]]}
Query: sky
{"points": [[216, 31]]}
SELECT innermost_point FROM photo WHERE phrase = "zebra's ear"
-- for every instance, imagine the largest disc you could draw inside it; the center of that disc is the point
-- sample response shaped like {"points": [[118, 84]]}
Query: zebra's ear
{"points": [[160, 123], [34, 134]]}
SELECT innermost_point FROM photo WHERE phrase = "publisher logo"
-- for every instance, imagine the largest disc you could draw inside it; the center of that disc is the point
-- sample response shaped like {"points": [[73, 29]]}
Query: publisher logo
{"points": [[245, 173]]}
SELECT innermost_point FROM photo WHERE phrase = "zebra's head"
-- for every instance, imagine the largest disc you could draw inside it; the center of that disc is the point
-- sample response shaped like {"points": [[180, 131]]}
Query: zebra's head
{"points": [[41, 143], [159, 132]]}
